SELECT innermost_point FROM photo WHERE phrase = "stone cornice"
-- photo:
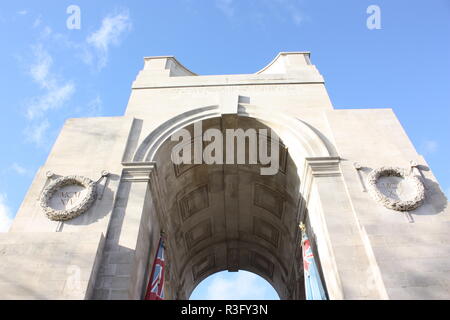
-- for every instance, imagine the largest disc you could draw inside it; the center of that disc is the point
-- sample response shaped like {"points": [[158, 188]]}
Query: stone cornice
{"points": [[149, 82], [324, 166], [286, 68], [137, 172], [317, 167]]}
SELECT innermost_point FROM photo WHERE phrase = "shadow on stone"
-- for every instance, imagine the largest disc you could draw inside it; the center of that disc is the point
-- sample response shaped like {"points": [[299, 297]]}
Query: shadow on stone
{"points": [[101, 207], [435, 200]]}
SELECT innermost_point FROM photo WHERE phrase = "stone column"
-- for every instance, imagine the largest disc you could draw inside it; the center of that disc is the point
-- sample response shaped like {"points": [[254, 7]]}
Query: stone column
{"points": [[347, 266], [131, 239]]}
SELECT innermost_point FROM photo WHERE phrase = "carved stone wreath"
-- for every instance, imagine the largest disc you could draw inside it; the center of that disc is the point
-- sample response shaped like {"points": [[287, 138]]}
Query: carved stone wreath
{"points": [[79, 209], [398, 205]]}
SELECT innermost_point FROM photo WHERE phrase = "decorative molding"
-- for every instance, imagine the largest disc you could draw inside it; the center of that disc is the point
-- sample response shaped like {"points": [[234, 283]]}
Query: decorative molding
{"points": [[229, 102], [262, 263], [193, 202], [139, 164], [147, 150], [358, 167], [137, 172], [283, 158], [267, 231], [318, 167], [201, 267], [49, 176], [268, 199], [198, 233], [182, 168], [79, 209], [324, 166], [310, 140], [301, 210], [233, 259], [105, 175], [390, 203], [230, 81]]}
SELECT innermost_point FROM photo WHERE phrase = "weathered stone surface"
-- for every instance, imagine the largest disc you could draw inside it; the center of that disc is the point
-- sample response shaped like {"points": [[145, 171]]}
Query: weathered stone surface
{"points": [[32, 273]]}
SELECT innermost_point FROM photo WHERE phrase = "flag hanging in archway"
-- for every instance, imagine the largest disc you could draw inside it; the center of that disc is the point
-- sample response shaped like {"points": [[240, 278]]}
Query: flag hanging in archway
{"points": [[313, 284], [155, 288]]}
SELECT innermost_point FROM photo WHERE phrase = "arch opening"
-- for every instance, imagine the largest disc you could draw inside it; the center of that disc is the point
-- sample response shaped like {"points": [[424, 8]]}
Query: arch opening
{"points": [[229, 217]]}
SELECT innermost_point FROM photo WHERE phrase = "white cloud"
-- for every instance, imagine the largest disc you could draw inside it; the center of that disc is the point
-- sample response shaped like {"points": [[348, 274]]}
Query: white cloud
{"points": [[95, 107], [57, 91], [53, 99], [292, 7], [226, 6], [18, 169], [5, 214], [37, 21], [40, 70], [36, 133], [447, 193], [285, 10], [22, 12], [245, 286], [46, 33], [430, 146], [94, 50], [297, 17], [109, 34]]}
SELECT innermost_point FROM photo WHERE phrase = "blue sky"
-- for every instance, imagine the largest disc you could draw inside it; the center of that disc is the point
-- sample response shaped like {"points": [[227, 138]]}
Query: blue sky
{"points": [[240, 285], [50, 73]]}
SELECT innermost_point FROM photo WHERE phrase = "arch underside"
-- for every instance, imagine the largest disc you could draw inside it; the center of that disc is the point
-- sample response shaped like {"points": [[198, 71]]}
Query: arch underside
{"points": [[229, 217], [298, 135]]}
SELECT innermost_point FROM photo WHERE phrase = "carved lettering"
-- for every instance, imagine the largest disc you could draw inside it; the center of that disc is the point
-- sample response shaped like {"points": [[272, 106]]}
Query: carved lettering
{"points": [[67, 197]]}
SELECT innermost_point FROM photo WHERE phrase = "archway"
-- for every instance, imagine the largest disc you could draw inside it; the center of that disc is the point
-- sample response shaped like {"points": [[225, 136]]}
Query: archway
{"points": [[228, 217]]}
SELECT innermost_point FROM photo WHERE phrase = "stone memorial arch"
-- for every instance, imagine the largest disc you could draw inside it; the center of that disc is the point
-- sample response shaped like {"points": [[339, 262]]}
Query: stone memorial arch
{"points": [[90, 224]]}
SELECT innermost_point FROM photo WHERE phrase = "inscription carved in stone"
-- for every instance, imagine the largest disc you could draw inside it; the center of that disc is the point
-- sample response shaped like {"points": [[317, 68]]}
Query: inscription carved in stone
{"points": [[396, 188], [68, 197]]}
